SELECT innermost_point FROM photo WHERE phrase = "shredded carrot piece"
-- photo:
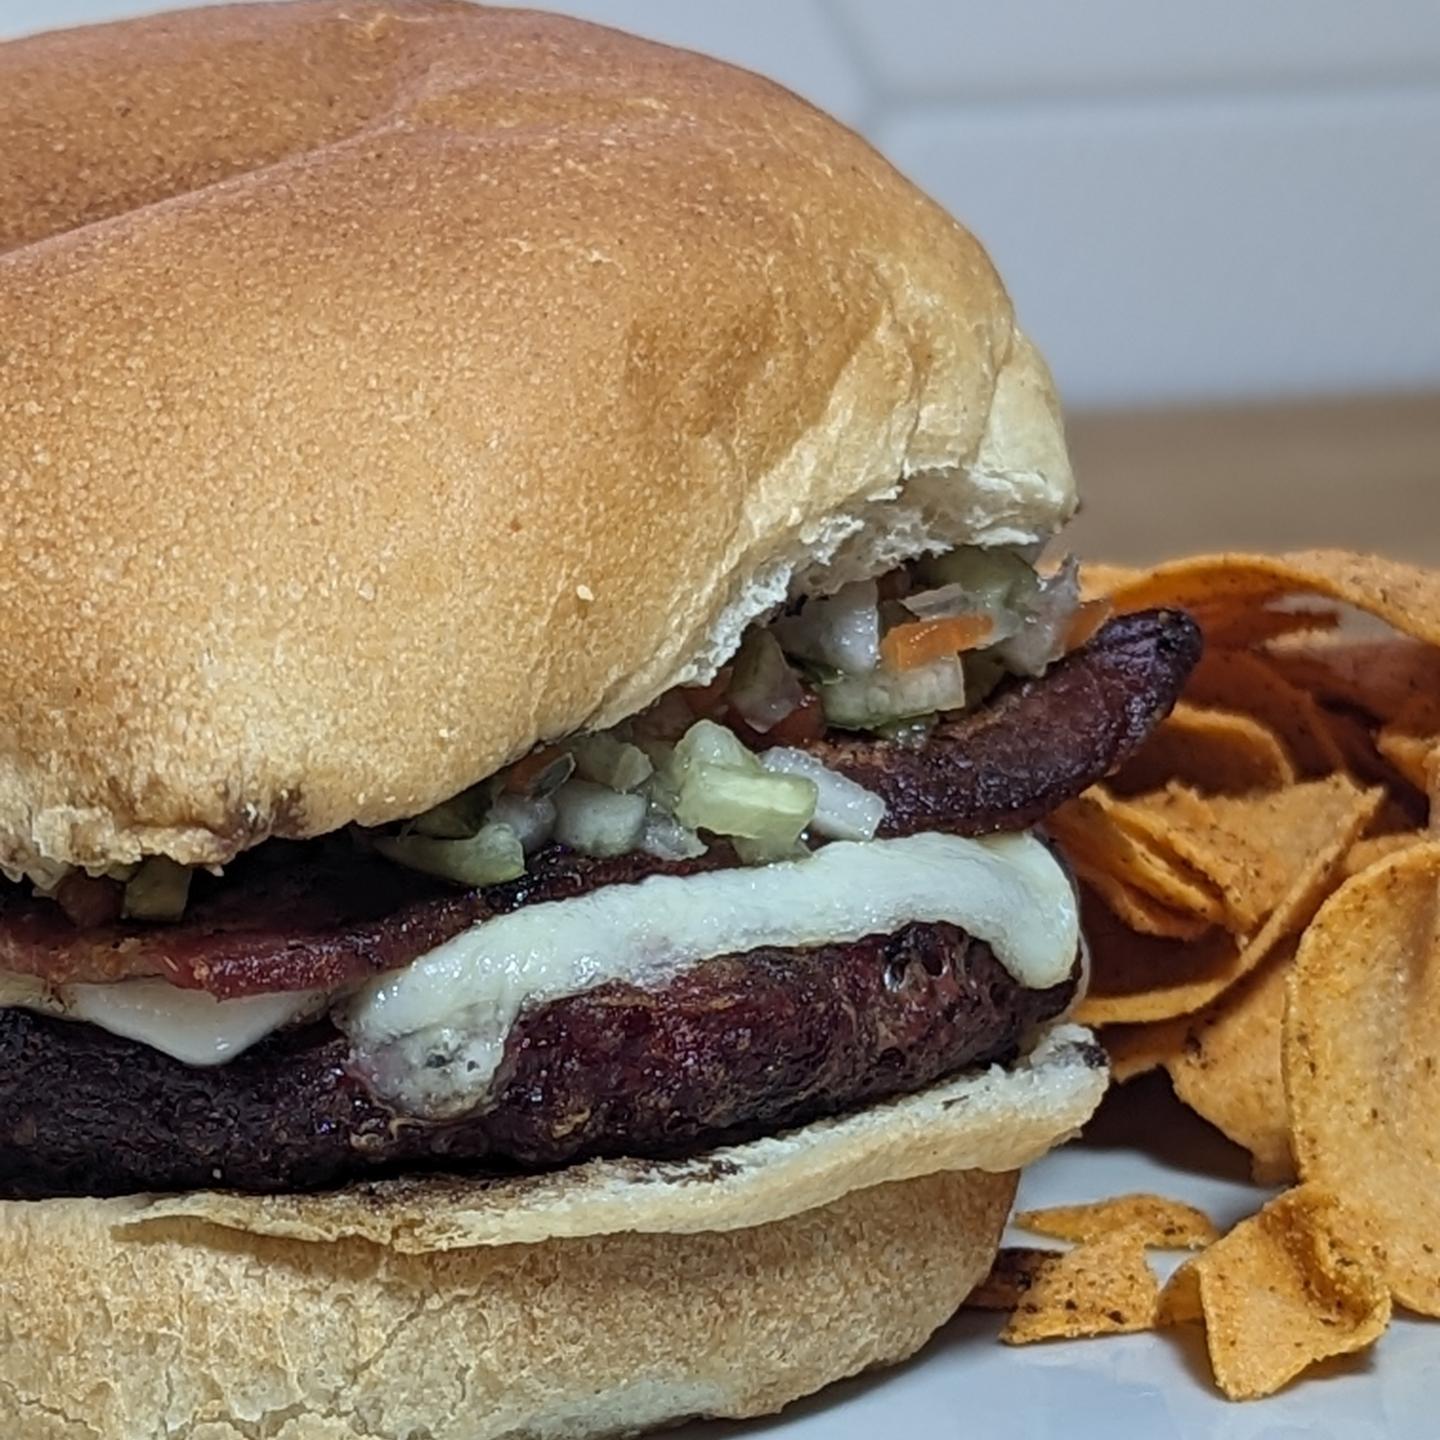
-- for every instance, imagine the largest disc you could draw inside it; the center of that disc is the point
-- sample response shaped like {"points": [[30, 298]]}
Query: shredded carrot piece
{"points": [[904, 647]]}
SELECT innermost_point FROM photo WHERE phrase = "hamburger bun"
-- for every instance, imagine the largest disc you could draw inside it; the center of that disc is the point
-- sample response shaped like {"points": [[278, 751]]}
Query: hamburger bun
{"points": [[607, 1298], [390, 386]]}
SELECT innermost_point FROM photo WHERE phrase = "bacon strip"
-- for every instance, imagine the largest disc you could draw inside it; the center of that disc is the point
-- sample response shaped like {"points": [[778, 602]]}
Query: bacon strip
{"points": [[323, 914]]}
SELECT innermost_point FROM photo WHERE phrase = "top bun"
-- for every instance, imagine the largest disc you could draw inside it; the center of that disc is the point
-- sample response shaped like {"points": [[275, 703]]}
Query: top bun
{"points": [[389, 386]]}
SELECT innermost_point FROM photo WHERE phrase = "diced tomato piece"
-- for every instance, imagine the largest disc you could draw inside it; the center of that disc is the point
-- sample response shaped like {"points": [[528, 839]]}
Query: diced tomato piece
{"points": [[523, 773], [705, 701]]}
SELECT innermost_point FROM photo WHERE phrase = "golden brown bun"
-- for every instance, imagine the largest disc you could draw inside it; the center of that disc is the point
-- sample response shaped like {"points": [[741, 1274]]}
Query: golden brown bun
{"points": [[184, 1329], [609, 1297], [390, 385]]}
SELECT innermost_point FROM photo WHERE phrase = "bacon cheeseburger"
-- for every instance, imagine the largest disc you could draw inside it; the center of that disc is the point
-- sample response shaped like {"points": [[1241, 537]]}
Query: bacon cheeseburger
{"points": [[527, 689]]}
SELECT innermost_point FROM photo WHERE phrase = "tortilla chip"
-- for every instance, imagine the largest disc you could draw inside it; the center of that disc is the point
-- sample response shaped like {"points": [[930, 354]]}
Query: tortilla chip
{"points": [[1379, 678], [1298, 1283], [1365, 853], [1218, 752], [1162, 1224], [1101, 834], [1239, 680], [1356, 740], [1405, 596], [1254, 848], [1135, 1050], [1141, 913], [1227, 1069], [1103, 1288], [1097, 579], [1242, 626], [1140, 978], [1010, 1277], [1361, 1060], [1411, 740]]}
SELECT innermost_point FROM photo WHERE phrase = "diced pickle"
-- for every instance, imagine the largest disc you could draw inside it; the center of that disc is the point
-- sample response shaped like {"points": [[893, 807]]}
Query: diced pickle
{"points": [[748, 802], [457, 818], [158, 890], [490, 856]]}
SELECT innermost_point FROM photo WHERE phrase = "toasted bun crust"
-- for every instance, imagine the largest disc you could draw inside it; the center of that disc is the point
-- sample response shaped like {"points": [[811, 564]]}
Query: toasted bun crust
{"points": [[187, 1330], [609, 1298], [388, 386]]}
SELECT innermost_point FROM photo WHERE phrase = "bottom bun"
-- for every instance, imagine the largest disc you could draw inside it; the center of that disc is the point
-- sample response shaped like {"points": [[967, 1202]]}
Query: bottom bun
{"points": [[212, 1335], [409, 1311]]}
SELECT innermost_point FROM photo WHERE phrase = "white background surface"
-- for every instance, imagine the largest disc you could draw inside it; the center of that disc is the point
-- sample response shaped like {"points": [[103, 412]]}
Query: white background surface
{"points": [[1189, 201], [968, 1386]]}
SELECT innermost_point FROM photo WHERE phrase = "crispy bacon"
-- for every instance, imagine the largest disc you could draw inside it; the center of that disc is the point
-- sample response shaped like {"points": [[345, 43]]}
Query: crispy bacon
{"points": [[323, 914]]}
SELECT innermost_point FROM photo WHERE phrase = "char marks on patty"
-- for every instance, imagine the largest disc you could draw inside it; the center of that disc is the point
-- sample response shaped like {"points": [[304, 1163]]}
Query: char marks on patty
{"points": [[736, 1047]]}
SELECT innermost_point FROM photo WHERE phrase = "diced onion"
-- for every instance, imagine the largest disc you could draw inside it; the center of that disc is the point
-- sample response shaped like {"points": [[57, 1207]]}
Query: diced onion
{"points": [[596, 820], [763, 689], [158, 890], [843, 809], [842, 631], [1045, 620], [706, 743], [532, 820], [667, 839]]}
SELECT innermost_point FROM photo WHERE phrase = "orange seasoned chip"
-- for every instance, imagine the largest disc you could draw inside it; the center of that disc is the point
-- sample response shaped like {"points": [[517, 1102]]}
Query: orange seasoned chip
{"points": [[1099, 835], [1357, 741], [1298, 1283], [1377, 677], [1097, 579], [1138, 978], [1010, 1277], [1227, 1069], [1370, 851], [1241, 626], [1161, 1223], [1405, 596], [1219, 752], [1135, 1050], [1411, 740], [1253, 848], [1361, 1060], [1239, 680], [1140, 912], [1103, 1288]]}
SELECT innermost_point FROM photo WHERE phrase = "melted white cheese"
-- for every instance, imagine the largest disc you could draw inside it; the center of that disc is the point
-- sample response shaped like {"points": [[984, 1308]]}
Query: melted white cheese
{"points": [[188, 1025], [430, 1037]]}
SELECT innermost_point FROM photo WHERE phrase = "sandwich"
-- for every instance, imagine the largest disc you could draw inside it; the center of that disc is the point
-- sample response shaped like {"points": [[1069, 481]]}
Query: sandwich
{"points": [[536, 668]]}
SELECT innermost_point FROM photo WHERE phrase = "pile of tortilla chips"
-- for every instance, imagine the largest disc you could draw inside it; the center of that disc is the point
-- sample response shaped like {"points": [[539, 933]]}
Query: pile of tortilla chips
{"points": [[1261, 890]]}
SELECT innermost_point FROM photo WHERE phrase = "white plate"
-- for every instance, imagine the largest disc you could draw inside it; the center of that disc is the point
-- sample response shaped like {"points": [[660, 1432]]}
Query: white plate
{"points": [[1132, 1387]]}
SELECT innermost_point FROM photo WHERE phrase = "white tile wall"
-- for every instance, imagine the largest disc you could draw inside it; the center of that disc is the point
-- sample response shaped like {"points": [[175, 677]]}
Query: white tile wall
{"points": [[1020, 49], [1190, 201]]}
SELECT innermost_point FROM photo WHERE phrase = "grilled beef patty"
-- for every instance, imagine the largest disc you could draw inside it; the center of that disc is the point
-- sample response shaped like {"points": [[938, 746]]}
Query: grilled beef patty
{"points": [[737, 1047]]}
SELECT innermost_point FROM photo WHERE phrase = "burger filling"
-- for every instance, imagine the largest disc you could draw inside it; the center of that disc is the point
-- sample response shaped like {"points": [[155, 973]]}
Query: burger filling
{"points": [[800, 887]]}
